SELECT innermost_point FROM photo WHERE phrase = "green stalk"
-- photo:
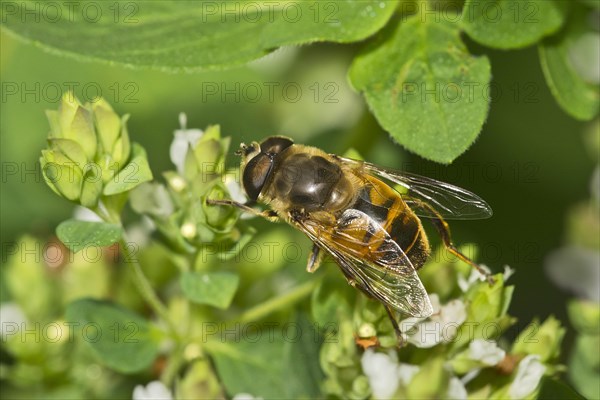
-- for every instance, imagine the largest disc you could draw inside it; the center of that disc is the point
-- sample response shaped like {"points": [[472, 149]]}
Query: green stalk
{"points": [[145, 288], [175, 362], [139, 279], [277, 303]]}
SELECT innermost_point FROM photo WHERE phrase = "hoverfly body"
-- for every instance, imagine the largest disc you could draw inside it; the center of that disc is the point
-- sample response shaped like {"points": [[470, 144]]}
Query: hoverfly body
{"points": [[350, 212]]}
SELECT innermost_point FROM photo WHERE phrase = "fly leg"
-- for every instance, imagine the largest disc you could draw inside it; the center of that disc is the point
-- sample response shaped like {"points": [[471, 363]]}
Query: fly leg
{"points": [[399, 337], [444, 231], [268, 214], [315, 258], [316, 255]]}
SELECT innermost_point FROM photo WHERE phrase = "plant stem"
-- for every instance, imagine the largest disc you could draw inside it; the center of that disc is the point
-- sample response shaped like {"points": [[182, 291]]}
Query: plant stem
{"points": [[175, 361], [146, 289], [263, 309], [104, 215], [139, 279], [177, 357]]}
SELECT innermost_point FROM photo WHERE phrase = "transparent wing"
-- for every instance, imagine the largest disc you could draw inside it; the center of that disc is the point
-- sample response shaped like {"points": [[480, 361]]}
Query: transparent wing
{"points": [[380, 268], [449, 201]]}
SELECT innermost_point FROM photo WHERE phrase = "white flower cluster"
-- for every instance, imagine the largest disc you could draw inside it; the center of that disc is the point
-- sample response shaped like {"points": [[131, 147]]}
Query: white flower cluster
{"points": [[440, 327], [386, 375], [183, 139], [155, 390]]}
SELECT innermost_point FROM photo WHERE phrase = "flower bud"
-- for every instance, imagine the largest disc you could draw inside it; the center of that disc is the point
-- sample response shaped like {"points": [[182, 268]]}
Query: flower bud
{"points": [[543, 340], [219, 218], [89, 147], [91, 188], [108, 125], [66, 112], [61, 174], [122, 147], [82, 131], [71, 149]]}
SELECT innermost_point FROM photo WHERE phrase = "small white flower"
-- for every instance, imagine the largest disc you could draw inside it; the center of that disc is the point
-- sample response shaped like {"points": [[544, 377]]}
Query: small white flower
{"points": [[406, 372], [154, 390], [474, 276], [469, 376], [409, 325], [529, 373], [508, 272], [85, 214], [382, 372], [485, 351], [245, 396], [441, 326], [385, 373], [456, 389], [182, 140], [235, 189], [11, 319]]}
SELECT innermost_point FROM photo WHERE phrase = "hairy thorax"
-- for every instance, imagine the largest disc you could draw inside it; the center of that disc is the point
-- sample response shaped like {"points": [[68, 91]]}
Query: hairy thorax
{"points": [[310, 180]]}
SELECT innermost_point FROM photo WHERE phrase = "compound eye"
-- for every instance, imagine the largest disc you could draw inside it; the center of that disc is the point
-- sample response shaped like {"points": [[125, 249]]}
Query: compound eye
{"points": [[255, 175], [275, 144]]}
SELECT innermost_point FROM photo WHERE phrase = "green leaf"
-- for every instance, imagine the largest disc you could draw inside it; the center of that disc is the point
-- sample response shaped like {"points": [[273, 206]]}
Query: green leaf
{"points": [[553, 388], [511, 24], [544, 339], [119, 338], [506, 299], [207, 154], [76, 234], [577, 97], [134, 173], [585, 348], [213, 288], [192, 35], [425, 88], [585, 316], [280, 361], [584, 364]]}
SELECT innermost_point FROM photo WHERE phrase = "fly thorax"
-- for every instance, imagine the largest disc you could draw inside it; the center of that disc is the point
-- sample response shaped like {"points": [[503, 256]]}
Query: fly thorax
{"points": [[310, 182]]}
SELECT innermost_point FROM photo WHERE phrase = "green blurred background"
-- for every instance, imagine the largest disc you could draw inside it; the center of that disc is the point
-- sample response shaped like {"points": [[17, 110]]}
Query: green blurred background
{"points": [[530, 162]]}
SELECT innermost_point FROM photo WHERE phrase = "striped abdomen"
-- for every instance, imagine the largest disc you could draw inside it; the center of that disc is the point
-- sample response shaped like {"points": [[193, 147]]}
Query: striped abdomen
{"points": [[386, 207]]}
